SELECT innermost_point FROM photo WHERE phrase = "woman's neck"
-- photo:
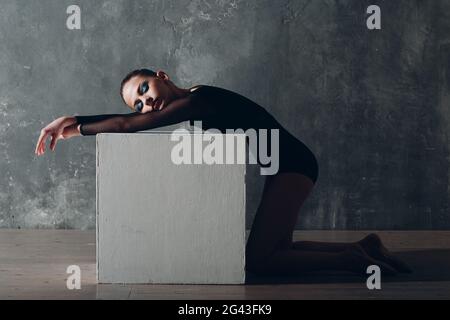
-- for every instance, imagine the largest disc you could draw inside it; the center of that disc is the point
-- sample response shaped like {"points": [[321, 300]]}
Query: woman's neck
{"points": [[181, 92]]}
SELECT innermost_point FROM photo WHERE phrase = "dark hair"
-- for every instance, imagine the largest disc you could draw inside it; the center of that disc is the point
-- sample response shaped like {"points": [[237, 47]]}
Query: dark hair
{"points": [[134, 73]]}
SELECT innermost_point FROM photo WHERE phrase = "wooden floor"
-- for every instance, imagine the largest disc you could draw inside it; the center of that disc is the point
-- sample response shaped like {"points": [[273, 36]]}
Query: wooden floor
{"points": [[33, 266]]}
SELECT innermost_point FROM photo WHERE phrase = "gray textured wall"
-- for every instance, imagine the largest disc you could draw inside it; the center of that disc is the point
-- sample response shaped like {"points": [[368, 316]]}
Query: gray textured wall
{"points": [[372, 105]]}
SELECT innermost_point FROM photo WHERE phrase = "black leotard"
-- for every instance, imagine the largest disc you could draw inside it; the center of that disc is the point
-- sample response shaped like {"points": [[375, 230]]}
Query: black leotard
{"points": [[221, 109]]}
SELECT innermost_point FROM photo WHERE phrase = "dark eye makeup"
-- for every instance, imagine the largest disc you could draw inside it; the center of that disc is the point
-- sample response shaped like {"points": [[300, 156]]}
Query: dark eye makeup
{"points": [[138, 106], [143, 88]]}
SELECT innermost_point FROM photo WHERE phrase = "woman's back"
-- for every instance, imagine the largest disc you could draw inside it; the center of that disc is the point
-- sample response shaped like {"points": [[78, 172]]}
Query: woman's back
{"points": [[224, 109]]}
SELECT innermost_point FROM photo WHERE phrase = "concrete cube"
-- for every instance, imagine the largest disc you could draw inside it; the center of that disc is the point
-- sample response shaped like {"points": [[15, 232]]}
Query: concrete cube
{"points": [[159, 222]]}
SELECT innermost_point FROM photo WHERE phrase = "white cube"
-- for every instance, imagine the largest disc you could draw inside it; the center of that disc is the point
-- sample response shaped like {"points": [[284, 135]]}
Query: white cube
{"points": [[159, 222]]}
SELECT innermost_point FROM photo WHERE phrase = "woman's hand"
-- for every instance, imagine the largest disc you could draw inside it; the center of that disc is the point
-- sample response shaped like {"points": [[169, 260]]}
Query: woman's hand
{"points": [[71, 131], [61, 128]]}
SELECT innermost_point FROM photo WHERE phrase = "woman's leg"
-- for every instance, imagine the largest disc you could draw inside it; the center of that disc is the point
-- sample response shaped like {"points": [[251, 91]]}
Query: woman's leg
{"points": [[371, 244], [269, 247], [322, 246]]}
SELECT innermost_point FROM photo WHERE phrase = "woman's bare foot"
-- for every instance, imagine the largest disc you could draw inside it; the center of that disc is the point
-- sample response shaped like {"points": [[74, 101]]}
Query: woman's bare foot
{"points": [[373, 246], [357, 260]]}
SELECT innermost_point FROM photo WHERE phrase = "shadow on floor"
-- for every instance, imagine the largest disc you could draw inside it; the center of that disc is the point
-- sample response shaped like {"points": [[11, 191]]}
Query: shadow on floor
{"points": [[427, 265]]}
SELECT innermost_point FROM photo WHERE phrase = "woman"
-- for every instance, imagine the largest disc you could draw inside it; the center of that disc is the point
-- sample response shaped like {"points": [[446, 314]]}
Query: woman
{"points": [[157, 101]]}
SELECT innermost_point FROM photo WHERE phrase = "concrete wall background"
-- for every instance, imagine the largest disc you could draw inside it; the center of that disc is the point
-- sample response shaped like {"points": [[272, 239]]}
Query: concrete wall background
{"points": [[372, 105]]}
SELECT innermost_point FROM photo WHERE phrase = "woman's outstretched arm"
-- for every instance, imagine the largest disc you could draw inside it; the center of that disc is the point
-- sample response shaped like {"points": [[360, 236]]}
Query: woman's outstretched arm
{"points": [[97, 117], [66, 127], [177, 111]]}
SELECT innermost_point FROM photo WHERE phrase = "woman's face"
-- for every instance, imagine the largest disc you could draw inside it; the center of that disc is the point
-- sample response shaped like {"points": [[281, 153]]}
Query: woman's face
{"points": [[144, 94]]}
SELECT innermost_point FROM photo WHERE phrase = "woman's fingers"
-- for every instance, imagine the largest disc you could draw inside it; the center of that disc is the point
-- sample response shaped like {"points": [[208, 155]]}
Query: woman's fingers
{"points": [[55, 130], [38, 144], [53, 142], [41, 142], [42, 145]]}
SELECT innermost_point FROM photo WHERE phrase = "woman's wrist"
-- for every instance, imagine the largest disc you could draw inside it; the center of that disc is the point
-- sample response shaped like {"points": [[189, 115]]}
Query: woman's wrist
{"points": [[71, 131], [70, 120]]}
